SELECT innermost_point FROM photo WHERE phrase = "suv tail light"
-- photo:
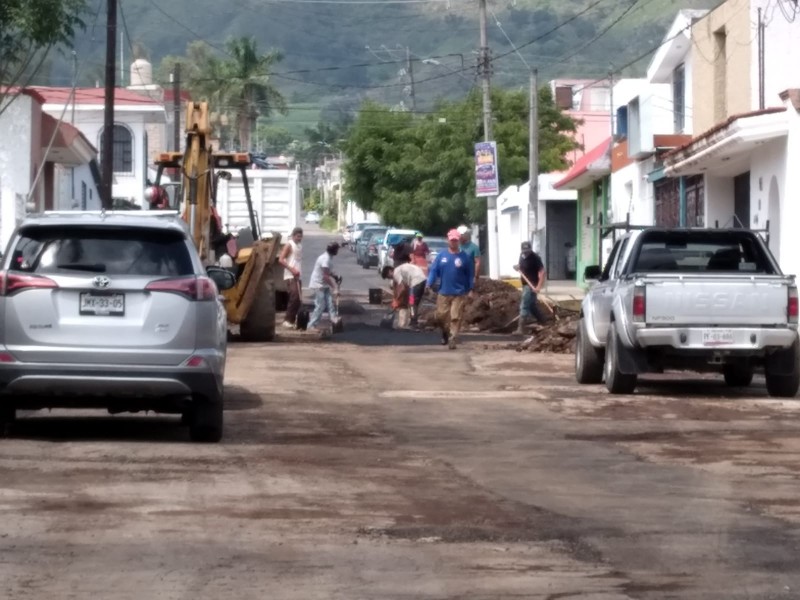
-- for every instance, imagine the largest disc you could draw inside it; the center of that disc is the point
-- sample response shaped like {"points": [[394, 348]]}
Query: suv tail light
{"points": [[791, 307], [193, 288], [11, 283], [373, 248], [638, 304]]}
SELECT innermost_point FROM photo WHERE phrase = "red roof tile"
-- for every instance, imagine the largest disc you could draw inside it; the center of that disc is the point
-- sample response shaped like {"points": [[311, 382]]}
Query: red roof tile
{"points": [[584, 163], [123, 97], [723, 125]]}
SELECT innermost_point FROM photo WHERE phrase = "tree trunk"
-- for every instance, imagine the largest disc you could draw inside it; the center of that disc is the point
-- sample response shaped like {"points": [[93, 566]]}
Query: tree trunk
{"points": [[244, 133]]}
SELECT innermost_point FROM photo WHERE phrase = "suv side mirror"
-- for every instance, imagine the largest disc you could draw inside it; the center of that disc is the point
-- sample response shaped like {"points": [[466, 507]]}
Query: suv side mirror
{"points": [[592, 273], [224, 279]]}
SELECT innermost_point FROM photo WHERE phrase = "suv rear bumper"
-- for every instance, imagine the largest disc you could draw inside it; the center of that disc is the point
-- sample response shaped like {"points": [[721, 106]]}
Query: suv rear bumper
{"points": [[744, 338], [104, 385]]}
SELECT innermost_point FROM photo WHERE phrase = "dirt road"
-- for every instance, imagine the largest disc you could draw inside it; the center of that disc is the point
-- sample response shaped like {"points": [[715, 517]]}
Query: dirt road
{"points": [[380, 465]]}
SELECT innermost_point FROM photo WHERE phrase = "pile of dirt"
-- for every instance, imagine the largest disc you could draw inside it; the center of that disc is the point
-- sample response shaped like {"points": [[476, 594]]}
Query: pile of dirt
{"points": [[495, 308], [557, 336]]}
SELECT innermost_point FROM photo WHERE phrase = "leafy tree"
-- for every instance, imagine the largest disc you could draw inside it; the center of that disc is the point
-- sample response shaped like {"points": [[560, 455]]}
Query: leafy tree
{"points": [[29, 30], [273, 139], [421, 173]]}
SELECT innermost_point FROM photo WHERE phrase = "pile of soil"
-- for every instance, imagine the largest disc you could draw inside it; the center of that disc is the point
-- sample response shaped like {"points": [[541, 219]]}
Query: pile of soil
{"points": [[495, 308]]}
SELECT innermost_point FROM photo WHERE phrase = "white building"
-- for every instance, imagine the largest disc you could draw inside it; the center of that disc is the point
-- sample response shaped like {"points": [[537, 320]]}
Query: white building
{"points": [[134, 114], [45, 164]]}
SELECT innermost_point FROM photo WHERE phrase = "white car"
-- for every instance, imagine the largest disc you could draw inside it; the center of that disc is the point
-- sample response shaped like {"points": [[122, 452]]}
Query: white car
{"points": [[386, 250], [358, 228], [312, 216]]}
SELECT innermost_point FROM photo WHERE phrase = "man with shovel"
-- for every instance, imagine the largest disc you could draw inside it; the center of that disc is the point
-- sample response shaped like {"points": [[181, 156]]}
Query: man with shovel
{"points": [[532, 275], [408, 283], [325, 284]]}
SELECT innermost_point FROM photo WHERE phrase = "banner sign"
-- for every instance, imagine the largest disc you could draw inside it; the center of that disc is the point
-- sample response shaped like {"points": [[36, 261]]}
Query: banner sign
{"points": [[487, 179]]}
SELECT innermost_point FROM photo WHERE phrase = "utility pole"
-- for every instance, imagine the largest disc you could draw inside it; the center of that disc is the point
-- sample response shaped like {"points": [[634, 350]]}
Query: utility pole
{"points": [[533, 159], [491, 201], [176, 107], [410, 69], [108, 116]]}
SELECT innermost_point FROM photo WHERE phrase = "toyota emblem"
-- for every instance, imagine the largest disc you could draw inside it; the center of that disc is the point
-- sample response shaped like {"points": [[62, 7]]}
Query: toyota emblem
{"points": [[101, 282]]}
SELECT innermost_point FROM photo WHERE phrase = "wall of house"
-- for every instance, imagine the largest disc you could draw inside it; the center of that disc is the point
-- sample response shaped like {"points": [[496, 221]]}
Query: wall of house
{"points": [[719, 201], [722, 77], [126, 185], [789, 243], [632, 194], [17, 168], [768, 174], [75, 189], [781, 54]]}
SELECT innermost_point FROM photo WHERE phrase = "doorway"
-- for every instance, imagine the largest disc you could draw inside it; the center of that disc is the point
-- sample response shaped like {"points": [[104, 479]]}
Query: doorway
{"points": [[560, 240], [741, 201]]}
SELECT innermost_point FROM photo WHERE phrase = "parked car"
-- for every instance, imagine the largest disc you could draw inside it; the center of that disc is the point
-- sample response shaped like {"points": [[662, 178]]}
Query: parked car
{"points": [[358, 228], [435, 245], [112, 311], [347, 235], [366, 240], [312, 216], [704, 300], [386, 250]]}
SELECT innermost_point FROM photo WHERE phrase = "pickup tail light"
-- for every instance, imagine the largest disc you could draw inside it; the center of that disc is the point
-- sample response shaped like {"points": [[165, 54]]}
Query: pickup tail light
{"points": [[11, 283], [193, 288], [791, 307], [638, 304], [373, 248]]}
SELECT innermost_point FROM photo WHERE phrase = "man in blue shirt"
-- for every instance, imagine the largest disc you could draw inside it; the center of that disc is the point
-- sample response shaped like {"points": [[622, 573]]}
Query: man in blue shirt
{"points": [[471, 248], [456, 271]]}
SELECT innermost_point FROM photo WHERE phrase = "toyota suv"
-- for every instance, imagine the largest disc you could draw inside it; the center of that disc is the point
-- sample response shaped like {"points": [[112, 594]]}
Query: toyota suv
{"points": [[112, 310]]}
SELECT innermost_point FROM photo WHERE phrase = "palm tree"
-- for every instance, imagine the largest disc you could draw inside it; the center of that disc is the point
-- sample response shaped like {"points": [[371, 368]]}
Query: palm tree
{"points": [[247, 86]]}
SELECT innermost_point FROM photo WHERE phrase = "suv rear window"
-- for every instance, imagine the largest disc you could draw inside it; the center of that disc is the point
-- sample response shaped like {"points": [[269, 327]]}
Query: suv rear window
{"points": [[67, 250]]}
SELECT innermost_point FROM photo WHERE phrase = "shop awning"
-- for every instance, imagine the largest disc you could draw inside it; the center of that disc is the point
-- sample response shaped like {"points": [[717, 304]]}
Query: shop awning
{"points": [[590, 167]]}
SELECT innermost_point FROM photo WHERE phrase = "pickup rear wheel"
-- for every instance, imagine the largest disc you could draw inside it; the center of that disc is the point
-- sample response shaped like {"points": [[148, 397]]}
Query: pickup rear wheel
{"points": [[259, 325], [738, 375], [588, 359], [785, 384], [617, 382]]}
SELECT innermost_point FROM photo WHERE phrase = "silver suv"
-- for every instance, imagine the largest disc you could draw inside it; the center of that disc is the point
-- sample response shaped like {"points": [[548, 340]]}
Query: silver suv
{"points": [[112, 310]]}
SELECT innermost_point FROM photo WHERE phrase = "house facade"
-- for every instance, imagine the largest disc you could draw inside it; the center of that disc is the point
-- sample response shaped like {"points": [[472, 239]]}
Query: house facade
{"points": [[135, 114], [45, 164], [744, 81]]}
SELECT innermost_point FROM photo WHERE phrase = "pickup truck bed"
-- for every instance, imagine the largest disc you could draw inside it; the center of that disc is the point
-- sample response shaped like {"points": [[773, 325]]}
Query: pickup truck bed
{"points": [[700, 300]]}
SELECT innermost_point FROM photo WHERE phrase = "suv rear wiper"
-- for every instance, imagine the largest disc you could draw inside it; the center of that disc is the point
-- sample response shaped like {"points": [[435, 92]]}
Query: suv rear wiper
{"points": [[96, 268]]}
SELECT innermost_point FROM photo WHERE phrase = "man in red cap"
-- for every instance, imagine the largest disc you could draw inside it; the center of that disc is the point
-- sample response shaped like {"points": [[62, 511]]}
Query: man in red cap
{"points": [[456, 271]]}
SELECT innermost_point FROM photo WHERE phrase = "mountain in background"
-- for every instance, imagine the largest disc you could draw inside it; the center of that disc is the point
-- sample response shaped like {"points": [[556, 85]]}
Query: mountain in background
{"points": [[338, 55]]}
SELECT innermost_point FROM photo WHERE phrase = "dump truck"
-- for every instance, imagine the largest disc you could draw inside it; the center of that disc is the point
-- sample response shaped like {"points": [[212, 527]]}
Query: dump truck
{"points": [[196, 174]]}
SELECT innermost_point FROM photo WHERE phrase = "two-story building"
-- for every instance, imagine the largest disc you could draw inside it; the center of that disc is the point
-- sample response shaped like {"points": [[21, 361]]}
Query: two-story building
{"points": [[45, 163], [743, 77], [134, 114]]}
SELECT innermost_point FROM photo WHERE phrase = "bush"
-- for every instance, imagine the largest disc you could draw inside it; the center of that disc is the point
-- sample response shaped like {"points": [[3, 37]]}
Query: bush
{"points": [[328, 223]]}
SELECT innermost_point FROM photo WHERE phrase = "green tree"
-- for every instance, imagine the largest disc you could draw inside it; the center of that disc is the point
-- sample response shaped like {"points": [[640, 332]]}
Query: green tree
{"points": [[247, 86], [420, 172], [29, 30], [273, 139]]}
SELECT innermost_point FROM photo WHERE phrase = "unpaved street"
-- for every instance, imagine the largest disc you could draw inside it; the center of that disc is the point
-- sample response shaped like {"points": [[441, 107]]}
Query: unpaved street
{"points": [[380, 465]]}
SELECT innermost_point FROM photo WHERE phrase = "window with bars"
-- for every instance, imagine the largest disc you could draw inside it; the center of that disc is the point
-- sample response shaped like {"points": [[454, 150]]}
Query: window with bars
{"points": [[122, 147]]}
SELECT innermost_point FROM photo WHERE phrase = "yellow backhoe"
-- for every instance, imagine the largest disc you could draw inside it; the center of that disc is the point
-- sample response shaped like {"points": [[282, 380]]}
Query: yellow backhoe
{"points": [[251, 304]]}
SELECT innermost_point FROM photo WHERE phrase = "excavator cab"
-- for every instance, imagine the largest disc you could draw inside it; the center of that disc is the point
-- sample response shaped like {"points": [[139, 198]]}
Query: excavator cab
{"points": [[251, 304]]}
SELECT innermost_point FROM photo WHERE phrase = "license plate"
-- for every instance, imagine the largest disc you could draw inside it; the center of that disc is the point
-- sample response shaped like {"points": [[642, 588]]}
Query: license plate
{"points": [[717, 337], [106, 305]]}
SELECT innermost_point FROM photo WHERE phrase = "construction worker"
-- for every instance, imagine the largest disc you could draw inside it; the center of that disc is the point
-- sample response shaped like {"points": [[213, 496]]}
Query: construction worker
{"points": [[408, 284], [325, 283], [470, 247], [456, 271], [532, 275], [291, 259]]}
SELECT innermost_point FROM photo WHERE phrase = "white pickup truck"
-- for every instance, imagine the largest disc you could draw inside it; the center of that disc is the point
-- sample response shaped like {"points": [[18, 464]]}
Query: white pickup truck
{"points": [[703, 300]]}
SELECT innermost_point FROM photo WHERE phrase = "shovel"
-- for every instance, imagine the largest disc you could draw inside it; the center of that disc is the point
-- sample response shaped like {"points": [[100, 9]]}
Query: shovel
{"points": [[387, 322], [337, 325]]}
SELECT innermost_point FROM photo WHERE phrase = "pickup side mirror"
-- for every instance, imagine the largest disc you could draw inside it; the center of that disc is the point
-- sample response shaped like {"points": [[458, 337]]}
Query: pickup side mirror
{"points": [[224, 279], [592, 273]]}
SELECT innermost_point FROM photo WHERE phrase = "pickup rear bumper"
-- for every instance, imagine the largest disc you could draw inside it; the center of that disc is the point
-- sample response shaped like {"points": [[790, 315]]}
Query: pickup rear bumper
{"points": [[740, 339]]}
